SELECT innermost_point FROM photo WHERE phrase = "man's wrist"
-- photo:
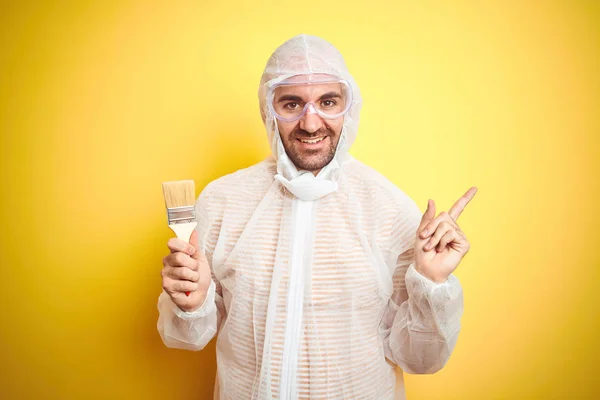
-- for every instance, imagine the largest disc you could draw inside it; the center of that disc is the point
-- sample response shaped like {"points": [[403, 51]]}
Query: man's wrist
{"points": [[436, 278]]}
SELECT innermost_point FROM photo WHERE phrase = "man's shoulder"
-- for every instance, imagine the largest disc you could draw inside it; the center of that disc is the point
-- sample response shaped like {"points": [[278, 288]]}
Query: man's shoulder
{"points": [[245, 181], [374, 184], [381, 199]]}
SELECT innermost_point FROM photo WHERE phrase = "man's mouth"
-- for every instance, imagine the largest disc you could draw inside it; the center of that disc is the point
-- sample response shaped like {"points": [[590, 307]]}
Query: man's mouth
{"points": [[312, 141]]}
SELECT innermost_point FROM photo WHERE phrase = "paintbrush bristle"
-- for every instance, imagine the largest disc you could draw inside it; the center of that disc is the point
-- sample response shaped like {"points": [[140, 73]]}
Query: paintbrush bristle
{"points": [[179, 193]]}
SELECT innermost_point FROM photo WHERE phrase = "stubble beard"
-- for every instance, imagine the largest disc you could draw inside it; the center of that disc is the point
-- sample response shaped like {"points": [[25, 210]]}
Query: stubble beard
{"points": [[311, 160]]}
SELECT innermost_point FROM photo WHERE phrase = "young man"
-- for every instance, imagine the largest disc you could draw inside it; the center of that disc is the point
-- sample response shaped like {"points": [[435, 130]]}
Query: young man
{"points": [[319, 275]]}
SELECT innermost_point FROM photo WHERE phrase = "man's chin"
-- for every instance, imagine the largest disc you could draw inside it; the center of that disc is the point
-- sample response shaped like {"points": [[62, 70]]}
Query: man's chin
{"points": [[311, 163]]}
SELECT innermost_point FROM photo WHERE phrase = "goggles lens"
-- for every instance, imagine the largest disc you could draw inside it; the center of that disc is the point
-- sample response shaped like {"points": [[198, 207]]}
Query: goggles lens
{"points": [[291, 101]]}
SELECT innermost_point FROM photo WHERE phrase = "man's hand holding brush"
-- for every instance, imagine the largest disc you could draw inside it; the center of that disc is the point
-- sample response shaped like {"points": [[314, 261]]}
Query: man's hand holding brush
{"points": [[186, 270]]}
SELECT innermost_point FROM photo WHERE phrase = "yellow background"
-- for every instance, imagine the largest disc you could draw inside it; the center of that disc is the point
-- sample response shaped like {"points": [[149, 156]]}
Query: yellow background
{"points": [[101, 102]]}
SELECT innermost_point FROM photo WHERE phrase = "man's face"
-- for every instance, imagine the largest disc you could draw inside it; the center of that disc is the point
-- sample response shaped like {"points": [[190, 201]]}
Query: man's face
{"points": [[311, 141]]}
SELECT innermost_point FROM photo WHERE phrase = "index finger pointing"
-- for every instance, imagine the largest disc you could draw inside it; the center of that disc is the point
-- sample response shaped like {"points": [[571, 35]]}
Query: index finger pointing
{"points": [[461, 203]]}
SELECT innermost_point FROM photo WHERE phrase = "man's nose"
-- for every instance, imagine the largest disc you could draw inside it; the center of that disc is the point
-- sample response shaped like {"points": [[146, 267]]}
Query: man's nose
{"points": [[311, 121]]}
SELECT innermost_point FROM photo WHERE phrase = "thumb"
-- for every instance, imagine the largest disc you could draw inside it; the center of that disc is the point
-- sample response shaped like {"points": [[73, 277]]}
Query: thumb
{"points": [[428, 215], [194, 242]]}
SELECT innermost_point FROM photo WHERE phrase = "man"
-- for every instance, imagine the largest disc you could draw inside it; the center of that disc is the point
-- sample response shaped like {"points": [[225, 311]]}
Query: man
{"points": [[319, 275]]}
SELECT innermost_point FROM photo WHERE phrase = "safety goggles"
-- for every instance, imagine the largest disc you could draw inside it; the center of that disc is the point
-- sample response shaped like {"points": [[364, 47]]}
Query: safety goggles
{"points": [[291, 99]]}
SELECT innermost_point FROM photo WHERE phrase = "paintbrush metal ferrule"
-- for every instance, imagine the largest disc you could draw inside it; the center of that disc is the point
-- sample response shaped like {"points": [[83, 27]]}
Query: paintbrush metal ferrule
{"points": [[181, 215]]}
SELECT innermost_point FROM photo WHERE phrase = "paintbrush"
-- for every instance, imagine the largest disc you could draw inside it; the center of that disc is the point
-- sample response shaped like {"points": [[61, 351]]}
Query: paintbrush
{"points": [[181, 213]]}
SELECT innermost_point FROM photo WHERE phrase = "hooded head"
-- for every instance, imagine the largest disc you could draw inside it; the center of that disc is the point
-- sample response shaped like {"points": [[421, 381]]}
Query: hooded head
{"points": [[304, 58]]}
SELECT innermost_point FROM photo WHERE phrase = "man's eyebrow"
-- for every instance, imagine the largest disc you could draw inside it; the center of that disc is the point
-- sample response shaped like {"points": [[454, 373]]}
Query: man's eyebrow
{"points": [[292, 97], [330, 95], [289, 97]]}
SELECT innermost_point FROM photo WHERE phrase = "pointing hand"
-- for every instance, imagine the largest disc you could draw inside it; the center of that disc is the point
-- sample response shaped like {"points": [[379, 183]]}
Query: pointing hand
{"points": [[440, 244]]}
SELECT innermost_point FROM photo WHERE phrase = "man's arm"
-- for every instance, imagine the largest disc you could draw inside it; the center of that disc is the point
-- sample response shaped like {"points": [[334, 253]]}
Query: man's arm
{"points": [[193, 330], [189, 331], [422, 321]]}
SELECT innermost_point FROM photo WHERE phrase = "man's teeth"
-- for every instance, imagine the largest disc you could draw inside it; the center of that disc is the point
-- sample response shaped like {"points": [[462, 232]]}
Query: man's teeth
{"points": [[312, 141]]}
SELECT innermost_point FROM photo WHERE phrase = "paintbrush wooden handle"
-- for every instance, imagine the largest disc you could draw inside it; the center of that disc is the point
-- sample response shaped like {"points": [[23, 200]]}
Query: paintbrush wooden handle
{"points": [[183, 232]]}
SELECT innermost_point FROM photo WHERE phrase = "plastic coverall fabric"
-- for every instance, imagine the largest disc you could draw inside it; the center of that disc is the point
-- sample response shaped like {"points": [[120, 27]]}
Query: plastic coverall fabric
{"points": [[314, 292]]}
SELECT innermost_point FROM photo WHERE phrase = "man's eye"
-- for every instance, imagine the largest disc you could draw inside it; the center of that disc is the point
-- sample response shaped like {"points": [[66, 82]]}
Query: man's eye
{"points": [[291, 106], [328, 103]]}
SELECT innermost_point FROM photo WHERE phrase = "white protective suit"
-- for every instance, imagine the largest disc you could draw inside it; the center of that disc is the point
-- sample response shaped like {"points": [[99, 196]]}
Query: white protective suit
{"points": [[314, 292]]}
